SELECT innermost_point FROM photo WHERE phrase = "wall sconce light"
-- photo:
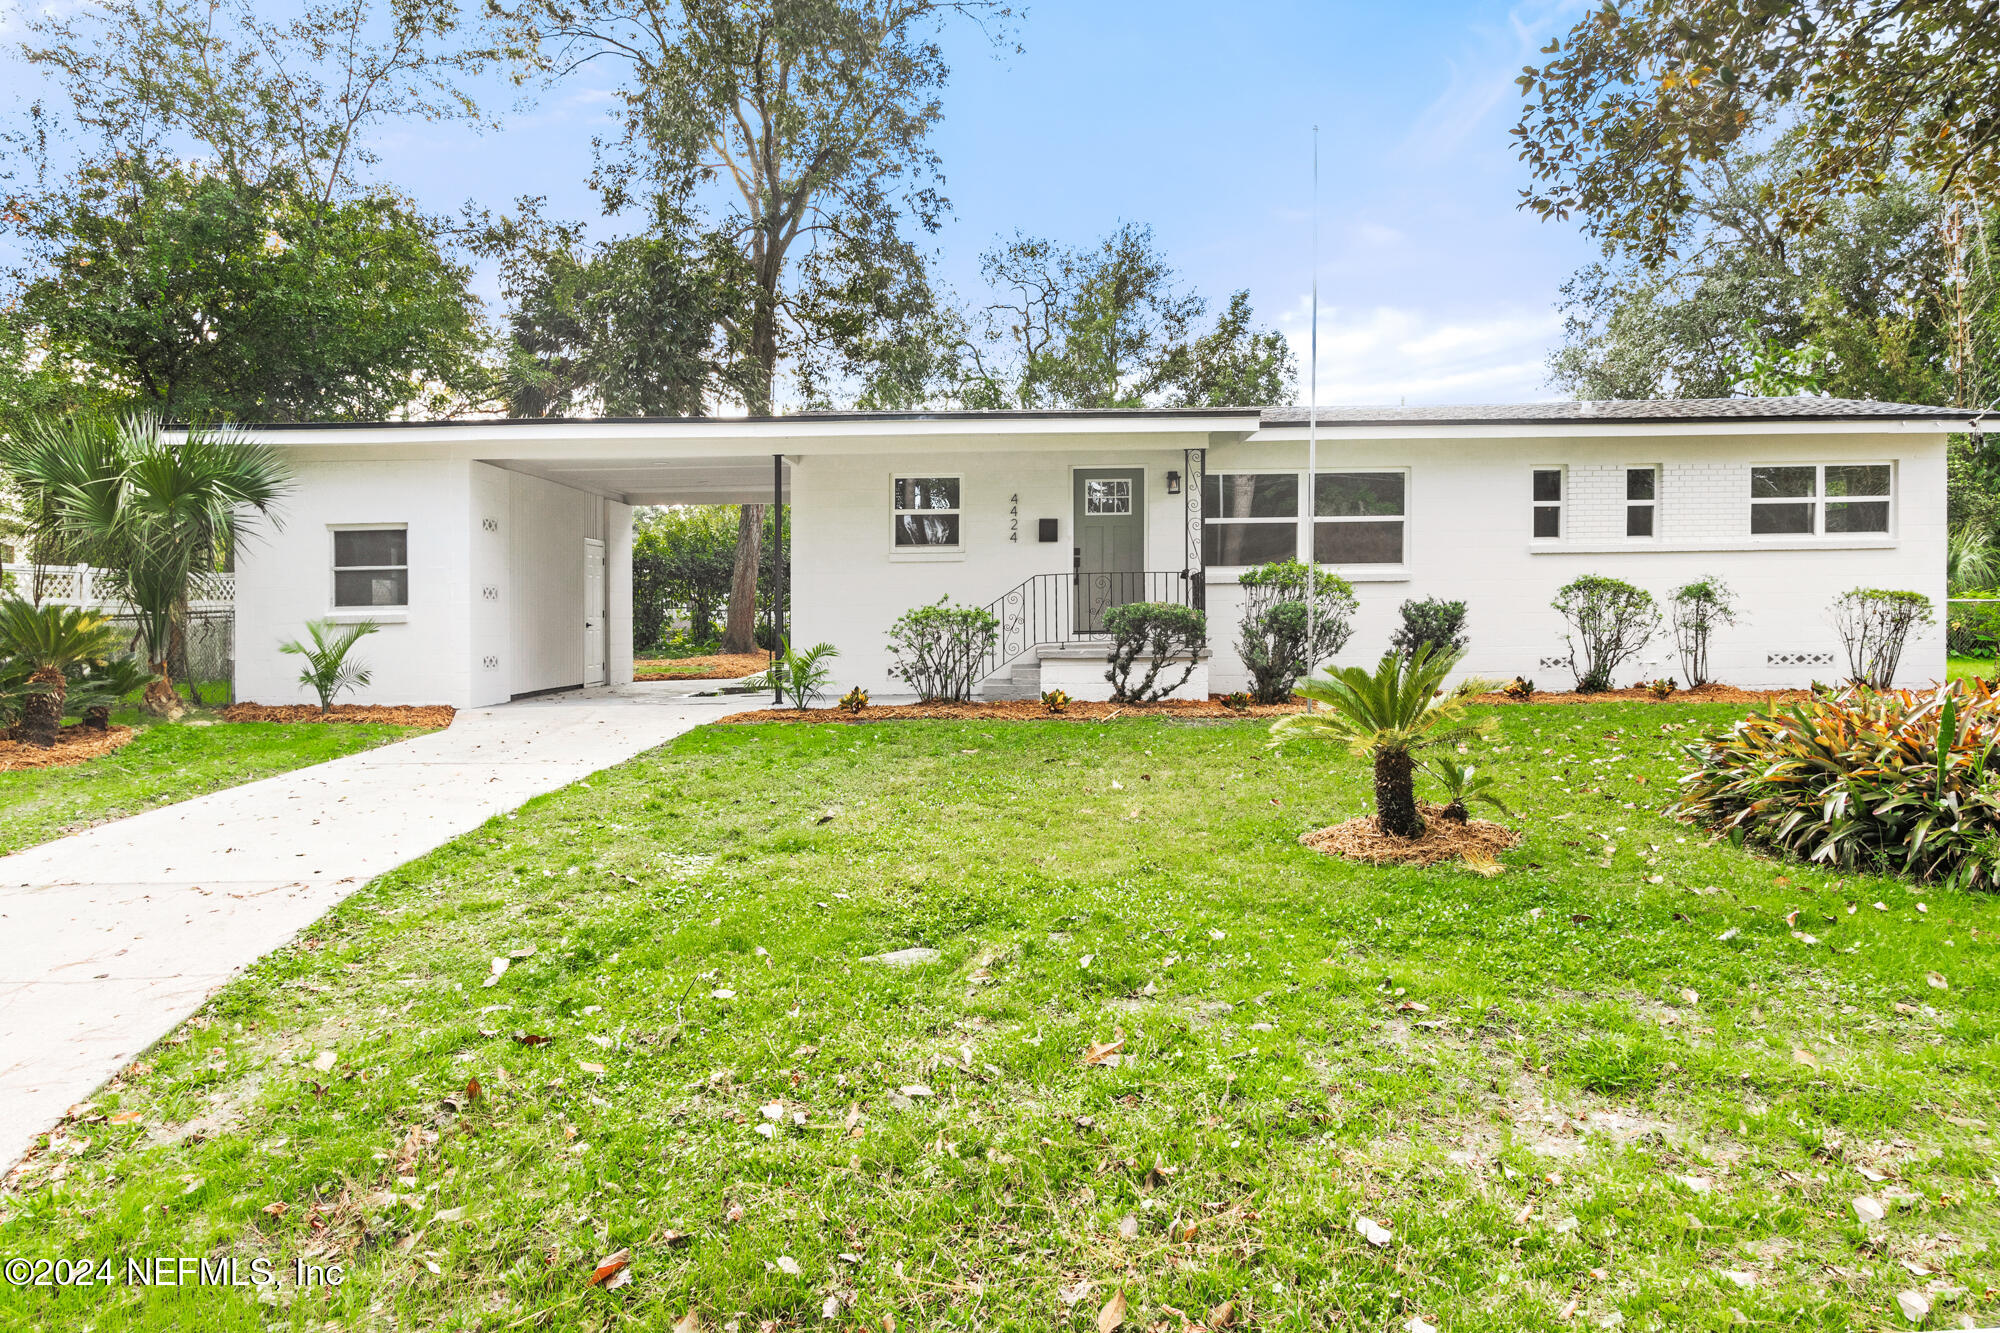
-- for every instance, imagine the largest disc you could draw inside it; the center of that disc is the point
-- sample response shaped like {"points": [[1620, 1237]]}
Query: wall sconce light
{"points": [[1173, 483]]}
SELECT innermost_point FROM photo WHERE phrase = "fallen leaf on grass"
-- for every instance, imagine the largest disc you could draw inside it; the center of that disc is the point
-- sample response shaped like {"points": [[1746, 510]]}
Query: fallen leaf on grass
{"points": [[1805, 1057], [1071, 1295], [325, 1060], [917, 1090], [688, 1323], [472, 1090], [531, 1039], [1867, 1209], [1871, 1175], [128, 1117], [1937, 981], [1223, 1315], [1373, 1232], [1916, 1307], [722, 993], [278, 1209], [500, 966], [610, 1266], [830, 1309], [1098, 1051], [1128, 1226], [1747, 1281], [1690, 997], [1113, 1313], [1419, 1324], [788, 1265], [589, 1068]]}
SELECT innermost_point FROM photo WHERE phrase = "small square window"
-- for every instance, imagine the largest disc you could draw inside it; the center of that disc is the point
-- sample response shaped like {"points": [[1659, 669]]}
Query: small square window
{"points": [[371, 567], [926, 511]]}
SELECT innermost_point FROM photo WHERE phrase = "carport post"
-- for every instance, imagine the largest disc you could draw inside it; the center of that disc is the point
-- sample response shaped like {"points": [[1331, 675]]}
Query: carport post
{"points": [[777, 572]]}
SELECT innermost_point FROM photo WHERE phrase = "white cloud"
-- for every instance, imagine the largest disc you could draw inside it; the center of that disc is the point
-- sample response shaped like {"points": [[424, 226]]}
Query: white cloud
{"points": [[1482, 76], [1386, 355]]}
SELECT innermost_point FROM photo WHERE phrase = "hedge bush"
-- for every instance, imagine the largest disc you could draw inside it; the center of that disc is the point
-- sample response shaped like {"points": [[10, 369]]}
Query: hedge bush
{"points": [[1162, 631], [941, 649], [1896, 780], [1271, 638]]}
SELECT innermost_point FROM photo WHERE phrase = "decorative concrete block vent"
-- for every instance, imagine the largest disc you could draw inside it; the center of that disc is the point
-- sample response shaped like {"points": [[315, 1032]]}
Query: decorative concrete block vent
{"points": [[1798, 659]]}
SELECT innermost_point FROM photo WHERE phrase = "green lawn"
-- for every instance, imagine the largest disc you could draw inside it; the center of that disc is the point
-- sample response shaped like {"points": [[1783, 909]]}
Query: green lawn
{"points": [[1618, 1079], [1963, 668], [168, 762]]}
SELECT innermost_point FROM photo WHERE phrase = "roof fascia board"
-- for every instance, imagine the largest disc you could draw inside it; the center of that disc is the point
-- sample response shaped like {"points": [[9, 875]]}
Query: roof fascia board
{"points": [[1548, 430]]}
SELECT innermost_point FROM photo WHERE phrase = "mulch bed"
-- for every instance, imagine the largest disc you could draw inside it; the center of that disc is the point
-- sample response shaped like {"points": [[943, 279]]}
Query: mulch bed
{"points": [[721, 666], [397, 715], [75, 744], [1710, 693], [1362, 839], [1016, 710]]}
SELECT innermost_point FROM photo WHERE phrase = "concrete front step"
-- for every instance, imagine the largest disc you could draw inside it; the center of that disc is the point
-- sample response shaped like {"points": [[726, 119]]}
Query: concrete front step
{"points": [[1079, 669]]}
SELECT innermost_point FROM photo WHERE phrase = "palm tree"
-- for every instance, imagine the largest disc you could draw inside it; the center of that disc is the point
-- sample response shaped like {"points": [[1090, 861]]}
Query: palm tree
{"points": [[328, 671], [153, 509], [1389, 715], [50, 641]]}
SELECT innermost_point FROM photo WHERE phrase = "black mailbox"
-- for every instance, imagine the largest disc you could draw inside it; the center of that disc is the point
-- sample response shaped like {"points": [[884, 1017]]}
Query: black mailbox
{"points": [[1046, 529]]}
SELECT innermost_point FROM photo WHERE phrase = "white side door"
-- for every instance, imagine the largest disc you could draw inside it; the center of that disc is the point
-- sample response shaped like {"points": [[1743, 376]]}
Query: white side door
{"points": [[594, 612]]}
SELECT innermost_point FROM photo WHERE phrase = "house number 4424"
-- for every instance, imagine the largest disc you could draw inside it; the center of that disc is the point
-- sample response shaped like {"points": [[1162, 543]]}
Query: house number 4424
{"points": [[1014, 517]]}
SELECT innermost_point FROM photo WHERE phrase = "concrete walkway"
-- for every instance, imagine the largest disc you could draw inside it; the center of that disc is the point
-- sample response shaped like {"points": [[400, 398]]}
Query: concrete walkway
{"points": [[111, 937]]}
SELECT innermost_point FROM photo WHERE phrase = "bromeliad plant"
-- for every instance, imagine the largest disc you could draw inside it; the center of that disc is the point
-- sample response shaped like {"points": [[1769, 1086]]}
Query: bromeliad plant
{"points": [[1390, 716], [1902, 781]]}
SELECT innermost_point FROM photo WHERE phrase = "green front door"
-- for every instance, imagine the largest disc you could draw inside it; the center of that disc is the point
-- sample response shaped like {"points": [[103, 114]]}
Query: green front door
{"points": [[1110, 554]]}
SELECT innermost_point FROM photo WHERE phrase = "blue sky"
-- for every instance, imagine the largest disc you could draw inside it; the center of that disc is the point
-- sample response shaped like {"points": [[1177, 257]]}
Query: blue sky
{"points": [[1196, 118]]}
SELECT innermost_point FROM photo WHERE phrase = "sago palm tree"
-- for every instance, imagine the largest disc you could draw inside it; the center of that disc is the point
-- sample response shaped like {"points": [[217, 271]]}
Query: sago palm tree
{"points": [[154, 507], [1390, 716], [51, 641]]}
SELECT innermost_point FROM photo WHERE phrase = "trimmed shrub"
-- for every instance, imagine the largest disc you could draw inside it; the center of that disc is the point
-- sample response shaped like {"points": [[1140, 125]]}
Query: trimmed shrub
{"points": [[1902, 781], [1698, 609], [1874, 624], [1162, 632], [941, 649], [1609, 622], [1271, 638], [1434, 622]]}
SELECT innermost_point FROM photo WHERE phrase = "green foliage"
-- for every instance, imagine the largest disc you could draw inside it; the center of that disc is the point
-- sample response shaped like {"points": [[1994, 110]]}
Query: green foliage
{"points": [[97, 688], [1662, 687], [1431, 623], [1609, 622], [1520, 689], [1109, 326], [802, 677], [1852, 309], [1971, 560], [682, 559], [1272, 636], [330, 670], [1056, 701], [940, 650], [1463, 783], [1164, 633], [1698, 609], [1636, 99], [854, 701], [1905, 782], [44, 644], [207, 298], [153, 509], [1874, 624], [1237, 701], [1389, 716]]}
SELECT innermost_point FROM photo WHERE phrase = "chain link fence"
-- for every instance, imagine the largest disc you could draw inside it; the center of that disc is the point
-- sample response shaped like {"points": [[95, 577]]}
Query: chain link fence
{"points": [[1972, 627], [205, 659]]}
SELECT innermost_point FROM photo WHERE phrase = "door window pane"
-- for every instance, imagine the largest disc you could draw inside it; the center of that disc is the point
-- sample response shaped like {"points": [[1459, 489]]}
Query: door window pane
{"points": [[1111, 495]]}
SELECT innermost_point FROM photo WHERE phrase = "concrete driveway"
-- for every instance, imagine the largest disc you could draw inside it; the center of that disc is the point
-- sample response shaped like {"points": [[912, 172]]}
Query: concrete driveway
{"points": [[111, 937]]}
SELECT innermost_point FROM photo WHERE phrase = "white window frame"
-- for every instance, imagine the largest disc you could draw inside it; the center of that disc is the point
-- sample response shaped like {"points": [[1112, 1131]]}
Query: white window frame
{"points": [[1313, 518], [1560, 504], [898, 549], [1819, 500], [1207, 518], [1659, 478], [334, 569]]}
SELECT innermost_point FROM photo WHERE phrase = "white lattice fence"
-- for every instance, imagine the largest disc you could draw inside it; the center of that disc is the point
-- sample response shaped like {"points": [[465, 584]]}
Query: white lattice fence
{"points": [[81, 585]]}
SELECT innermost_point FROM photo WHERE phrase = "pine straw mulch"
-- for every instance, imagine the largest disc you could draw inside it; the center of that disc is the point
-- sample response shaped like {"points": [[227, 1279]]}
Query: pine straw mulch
{"points": [[396, 715], [1711, 693], [1016, 710], [1362, 839], [719, 666], [75, 744]]}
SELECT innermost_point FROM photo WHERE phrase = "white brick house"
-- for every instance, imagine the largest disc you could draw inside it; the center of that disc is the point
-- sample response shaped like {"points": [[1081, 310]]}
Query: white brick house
{"points": [[497, 553]]}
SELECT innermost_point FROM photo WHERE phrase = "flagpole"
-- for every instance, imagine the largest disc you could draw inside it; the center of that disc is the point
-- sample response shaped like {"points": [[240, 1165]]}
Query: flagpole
{"points": [[1312, 434]]}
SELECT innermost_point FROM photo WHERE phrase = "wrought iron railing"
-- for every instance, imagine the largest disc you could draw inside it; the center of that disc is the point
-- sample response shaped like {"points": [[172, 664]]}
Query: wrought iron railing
{"points": [[1053, 609]]}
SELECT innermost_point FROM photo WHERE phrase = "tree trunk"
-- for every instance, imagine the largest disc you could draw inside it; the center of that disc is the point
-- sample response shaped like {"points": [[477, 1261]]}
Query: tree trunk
{"points": [[1396, 795], [160, 698], [739, 635], [41, 712]]}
